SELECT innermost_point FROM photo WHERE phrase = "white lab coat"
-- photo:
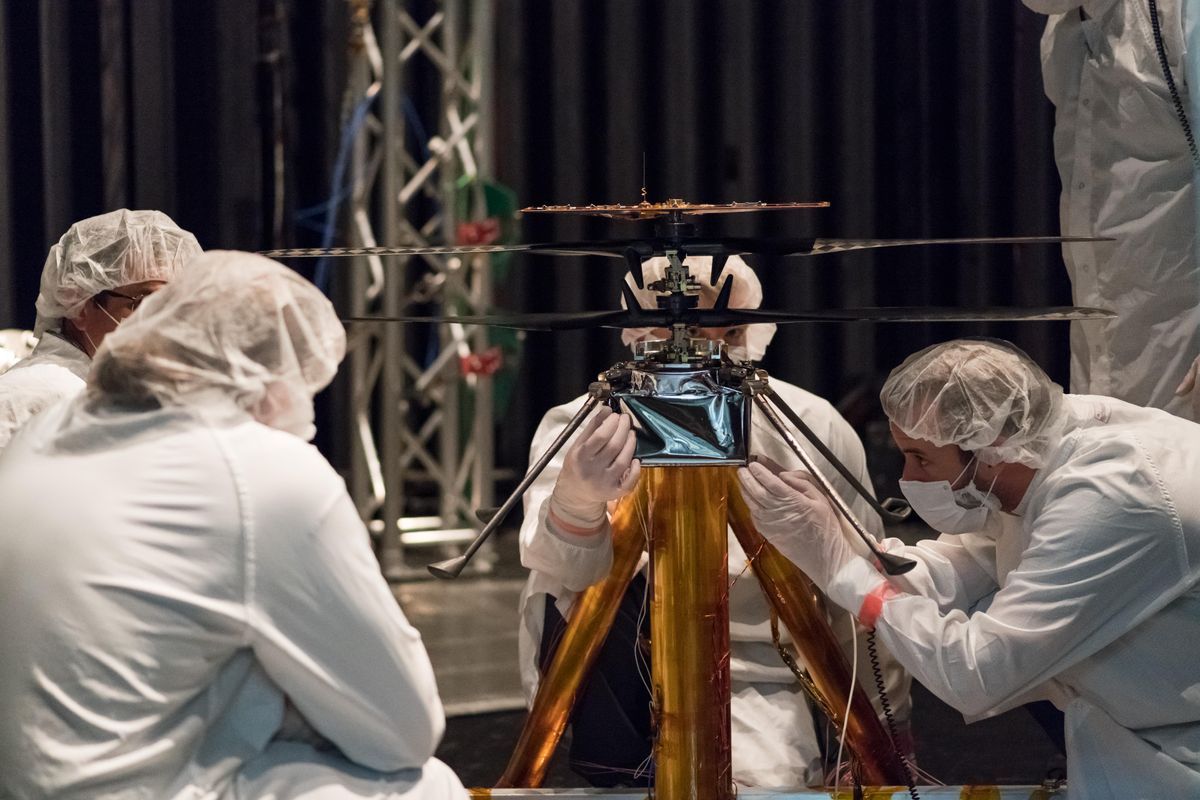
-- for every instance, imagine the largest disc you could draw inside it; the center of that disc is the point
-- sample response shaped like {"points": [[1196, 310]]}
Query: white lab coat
{"points": [[774, 744], [1127, 174], [1089, 597], [56, 369], [168, 578]]}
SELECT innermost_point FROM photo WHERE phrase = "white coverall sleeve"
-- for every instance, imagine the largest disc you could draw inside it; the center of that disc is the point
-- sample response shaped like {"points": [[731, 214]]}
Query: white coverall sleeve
{"points": [[30, 390], [328, 631], [954, 570], [1106, 550], [574, 561]]}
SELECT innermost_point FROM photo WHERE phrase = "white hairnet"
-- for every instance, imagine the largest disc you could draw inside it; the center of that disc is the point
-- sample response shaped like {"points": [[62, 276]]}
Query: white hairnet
{"points": [[233, 323], [747, 293], [104, 252], [984, 396]]}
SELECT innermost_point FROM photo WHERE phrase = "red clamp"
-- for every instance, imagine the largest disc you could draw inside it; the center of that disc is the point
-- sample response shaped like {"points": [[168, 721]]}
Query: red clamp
{"points": [[482, 232], [486, 363]]}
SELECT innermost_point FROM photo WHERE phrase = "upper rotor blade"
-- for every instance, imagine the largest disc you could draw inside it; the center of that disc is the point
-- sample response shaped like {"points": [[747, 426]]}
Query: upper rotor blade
{"points": [[343, 252], [698, 246], [825, 246]]}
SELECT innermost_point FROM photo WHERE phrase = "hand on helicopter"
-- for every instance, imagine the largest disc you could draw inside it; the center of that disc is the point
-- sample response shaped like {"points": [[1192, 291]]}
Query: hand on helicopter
{"points": [[599, 466], [790, 510]]}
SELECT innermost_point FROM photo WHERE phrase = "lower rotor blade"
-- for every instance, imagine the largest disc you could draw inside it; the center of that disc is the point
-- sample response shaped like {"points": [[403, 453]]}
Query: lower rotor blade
{"points": [[924, 314], [723, 318]]}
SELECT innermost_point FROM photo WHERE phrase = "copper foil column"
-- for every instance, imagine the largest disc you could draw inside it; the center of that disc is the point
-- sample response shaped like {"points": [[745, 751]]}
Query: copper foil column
{"points": [[689, 624], [591, 619], [799, 605]]}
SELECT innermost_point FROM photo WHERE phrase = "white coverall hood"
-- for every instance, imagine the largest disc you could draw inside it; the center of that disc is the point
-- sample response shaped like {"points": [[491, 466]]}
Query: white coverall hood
{"points": [[747, 293], [234, 324], [104, 252], [986, 397]]}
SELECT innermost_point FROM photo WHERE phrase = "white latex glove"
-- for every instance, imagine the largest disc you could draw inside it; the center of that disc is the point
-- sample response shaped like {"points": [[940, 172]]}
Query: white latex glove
{"points": [[793, 514], [1188, 386], [790, 511], [598, 467]]}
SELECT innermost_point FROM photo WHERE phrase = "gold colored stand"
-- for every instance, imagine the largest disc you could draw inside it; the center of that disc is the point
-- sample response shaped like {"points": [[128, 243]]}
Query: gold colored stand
{"points": [[685, 511], [801, 608], [591, 620], [689, 631]]}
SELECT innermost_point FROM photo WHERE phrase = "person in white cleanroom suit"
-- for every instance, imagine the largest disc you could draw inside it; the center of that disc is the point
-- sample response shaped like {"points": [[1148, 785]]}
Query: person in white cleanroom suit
{"points": [[94, 277], [566, 542], [1068, 568], [203, 617], [1127, 173]]}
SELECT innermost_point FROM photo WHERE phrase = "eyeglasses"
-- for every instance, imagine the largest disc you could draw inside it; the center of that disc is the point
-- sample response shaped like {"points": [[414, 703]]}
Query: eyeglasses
{"points": [[134, 301]]}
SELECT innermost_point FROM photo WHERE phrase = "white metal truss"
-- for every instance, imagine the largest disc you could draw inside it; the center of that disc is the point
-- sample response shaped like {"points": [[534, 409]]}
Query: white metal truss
{"points": [[419, 466]]}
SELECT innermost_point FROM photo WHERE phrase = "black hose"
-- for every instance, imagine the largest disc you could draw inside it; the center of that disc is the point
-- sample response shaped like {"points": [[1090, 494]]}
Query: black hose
{"points": [[1166, 69], [886, 704]]}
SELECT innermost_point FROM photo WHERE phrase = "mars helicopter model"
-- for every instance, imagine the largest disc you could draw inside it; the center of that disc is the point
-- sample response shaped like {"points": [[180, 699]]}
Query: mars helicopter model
{"points": [[678, 311], [691, 406]]}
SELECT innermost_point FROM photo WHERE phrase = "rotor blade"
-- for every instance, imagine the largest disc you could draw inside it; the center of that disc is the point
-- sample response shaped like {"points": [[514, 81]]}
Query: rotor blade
{"points": [[825, 246], [924, 314], [625, 249], [724, 318], [722, 301], [563, 321], [718, 265], [344, 252]]}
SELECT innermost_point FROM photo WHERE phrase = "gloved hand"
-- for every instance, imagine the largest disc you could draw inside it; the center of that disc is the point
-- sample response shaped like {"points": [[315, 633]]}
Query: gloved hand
{"points": [[792, 513], [1188, 386], [599, 466]]}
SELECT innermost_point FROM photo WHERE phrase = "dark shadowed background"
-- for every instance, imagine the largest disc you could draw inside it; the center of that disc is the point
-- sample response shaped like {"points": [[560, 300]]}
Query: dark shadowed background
{"points": [[913, 118]]}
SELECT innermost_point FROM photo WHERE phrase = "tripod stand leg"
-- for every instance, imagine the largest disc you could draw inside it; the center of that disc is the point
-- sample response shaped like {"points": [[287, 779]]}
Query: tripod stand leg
{"points": [[799, 605], [591, 619], [689, 631]]}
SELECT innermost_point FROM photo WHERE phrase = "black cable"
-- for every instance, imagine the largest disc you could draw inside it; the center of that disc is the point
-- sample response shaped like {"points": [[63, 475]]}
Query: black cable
{"points": [[886, 704], [1166, 69]]}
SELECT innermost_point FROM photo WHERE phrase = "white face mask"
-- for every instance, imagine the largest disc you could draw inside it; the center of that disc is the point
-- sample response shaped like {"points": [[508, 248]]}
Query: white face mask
{"points": [[116, 324], [949, 510]]}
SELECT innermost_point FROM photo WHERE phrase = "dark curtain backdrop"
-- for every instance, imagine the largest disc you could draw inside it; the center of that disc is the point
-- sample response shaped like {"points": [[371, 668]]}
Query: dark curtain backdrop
{"points": [[165, 104], [913, 117], [159, 104]]}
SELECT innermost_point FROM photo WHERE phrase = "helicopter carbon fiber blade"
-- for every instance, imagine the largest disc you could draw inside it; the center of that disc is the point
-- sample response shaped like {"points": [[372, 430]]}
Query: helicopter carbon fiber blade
{"points": [[723, 318], [825, 246], [345, 252], [552, 321], [717, 247], [929, 314]]}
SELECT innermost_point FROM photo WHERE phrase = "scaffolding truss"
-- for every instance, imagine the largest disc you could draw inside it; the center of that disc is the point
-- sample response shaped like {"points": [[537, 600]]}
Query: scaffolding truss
{"points": [[421, 405]]}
